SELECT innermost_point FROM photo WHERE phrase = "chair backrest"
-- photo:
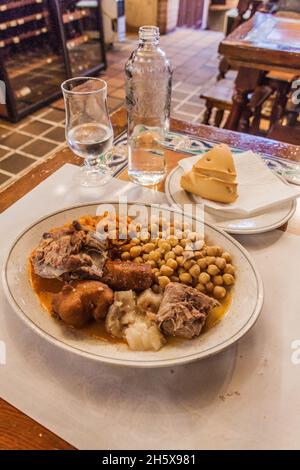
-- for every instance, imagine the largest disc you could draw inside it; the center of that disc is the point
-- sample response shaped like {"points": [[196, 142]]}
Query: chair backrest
{"points": [[243, 7]]}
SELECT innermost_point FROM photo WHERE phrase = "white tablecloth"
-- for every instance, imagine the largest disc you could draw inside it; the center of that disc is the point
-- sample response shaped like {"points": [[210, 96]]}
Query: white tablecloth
{"points": [[246, 397]]}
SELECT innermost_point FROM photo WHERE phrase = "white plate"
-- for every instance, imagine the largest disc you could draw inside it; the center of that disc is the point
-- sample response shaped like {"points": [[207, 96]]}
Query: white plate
{"points": [[247, 300], [260, 223]]}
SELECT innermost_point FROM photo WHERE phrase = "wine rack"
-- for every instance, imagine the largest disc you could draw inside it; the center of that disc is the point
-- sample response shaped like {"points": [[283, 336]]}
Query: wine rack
{"points": [[83, 35], [42, 43]]}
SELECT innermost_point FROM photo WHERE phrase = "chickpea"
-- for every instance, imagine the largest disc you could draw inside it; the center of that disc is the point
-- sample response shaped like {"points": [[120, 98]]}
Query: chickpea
{"points": [[183, 242], [125, 256], [218, 280], [210, 260], [166, 271], [186, 278], [148, 247], [178, 249], [180, 260], [165, 246], [228, 279], [138, 260], [209, 287], [213, 270], [203, 251], [188, 264], [170, 255], [154, 255], [151, 263], [135, 251], [155, 270], [204, 278], [174, 278], [135, 241], [195, 271], [229, 269], [172, 263], [201, 288], [198, 255], [202, 263], [226, 256], [173, 241], [145, 256], [220, 262], [219, 250], [219, 292], [181, 271], [163, 281], [212, 250], [161, 263]]}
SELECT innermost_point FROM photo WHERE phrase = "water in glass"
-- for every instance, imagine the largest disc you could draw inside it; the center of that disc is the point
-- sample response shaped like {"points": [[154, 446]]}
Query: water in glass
{"points": [[89, 131]]}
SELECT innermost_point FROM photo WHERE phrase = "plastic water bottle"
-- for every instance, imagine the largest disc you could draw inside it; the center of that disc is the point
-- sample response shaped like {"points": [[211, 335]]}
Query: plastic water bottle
{"points": [[148, 101]]}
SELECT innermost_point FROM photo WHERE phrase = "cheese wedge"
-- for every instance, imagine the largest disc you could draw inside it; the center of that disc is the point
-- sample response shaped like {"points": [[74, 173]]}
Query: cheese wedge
{"points": [[217, 163], [210, 188]]}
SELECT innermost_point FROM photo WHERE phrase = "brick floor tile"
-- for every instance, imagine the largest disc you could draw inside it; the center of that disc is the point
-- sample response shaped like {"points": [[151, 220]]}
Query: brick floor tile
{"points": [[15, 163]]}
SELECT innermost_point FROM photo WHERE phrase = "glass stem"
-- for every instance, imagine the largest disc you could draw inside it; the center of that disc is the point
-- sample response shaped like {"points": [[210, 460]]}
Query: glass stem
{"points": [[92, 163]]}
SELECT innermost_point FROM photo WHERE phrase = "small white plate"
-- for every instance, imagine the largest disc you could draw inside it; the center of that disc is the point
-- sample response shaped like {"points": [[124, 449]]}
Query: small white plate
{"points": [[246, 304], [260, 223]]}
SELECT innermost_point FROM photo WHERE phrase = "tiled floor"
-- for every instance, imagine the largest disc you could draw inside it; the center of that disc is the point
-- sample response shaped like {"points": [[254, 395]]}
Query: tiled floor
{"points": [[194, 58]]}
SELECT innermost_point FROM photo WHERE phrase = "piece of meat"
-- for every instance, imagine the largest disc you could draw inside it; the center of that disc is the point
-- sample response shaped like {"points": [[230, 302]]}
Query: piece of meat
{"points": [[125, 275], [183, 310], [72, 252], [81, 301]]}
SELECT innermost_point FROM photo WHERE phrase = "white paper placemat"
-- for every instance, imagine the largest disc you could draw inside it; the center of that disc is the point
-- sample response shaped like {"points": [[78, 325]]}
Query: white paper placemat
{"points": [[246, 397]]}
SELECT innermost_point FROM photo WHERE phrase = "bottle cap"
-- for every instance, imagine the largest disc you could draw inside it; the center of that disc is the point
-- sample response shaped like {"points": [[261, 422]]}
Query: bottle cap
{"points": [[149, 33]]}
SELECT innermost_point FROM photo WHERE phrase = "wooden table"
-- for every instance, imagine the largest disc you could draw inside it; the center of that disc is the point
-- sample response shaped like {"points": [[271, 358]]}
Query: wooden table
{"points": [[18, 431], [263, 43]]}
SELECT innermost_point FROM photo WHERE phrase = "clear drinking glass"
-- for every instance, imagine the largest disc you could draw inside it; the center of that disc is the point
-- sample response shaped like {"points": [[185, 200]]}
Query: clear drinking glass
{"points": [[89, 132]]}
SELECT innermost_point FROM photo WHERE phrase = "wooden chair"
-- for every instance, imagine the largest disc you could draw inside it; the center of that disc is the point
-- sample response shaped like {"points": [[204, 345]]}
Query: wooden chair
{"points": [[218, 99]]}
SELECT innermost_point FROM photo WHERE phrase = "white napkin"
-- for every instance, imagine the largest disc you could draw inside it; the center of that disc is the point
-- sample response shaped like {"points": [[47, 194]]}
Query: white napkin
{"points": [[258, 187]]}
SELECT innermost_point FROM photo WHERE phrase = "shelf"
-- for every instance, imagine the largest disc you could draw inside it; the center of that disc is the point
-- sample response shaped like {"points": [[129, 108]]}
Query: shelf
{"points": [[75, 16], [43, 43], [31, 67], [23, 37], [71, 43], [21, 21], [18, 4]]}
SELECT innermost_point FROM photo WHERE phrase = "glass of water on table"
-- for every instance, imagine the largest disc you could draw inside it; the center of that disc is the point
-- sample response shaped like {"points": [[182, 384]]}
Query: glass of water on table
{"points": [[89, 132]]}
